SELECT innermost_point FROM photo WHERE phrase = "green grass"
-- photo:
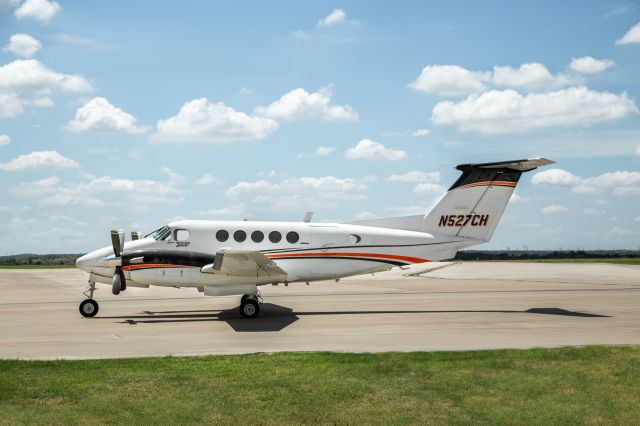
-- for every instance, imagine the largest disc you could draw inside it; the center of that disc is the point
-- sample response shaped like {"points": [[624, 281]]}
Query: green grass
{"points": [[618, 261], [591, 385], [36, 266]]}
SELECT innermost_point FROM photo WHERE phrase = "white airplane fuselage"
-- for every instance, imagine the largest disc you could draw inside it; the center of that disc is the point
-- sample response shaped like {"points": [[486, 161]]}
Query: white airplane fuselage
{"points": [[322, 251]]}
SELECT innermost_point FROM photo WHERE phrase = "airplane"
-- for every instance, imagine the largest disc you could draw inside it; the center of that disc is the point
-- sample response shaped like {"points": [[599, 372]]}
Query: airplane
{"points": [[234, 258]]}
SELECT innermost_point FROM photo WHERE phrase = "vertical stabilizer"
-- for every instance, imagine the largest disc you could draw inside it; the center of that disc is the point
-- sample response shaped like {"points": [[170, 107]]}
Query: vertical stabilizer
{"points": [[474, 204]]}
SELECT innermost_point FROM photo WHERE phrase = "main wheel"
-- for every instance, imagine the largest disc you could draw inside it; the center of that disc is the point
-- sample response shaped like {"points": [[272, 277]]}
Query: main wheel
{"points": [[89, 308], [249, 308]]}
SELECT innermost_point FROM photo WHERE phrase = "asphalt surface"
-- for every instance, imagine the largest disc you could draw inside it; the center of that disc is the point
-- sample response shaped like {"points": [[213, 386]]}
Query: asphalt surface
{"points": [[458, 307]]}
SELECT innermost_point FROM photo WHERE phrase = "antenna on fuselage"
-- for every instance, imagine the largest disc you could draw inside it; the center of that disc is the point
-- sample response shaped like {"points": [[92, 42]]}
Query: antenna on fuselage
{"points": [[307, 217]]}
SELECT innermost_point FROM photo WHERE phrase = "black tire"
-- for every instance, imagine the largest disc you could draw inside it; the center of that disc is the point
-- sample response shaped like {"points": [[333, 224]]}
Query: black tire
{"points": [[249, 308], [89, 308]]}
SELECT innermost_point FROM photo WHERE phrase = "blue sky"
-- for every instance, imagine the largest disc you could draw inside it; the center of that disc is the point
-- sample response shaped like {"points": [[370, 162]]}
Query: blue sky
{"points": [[131, 114]]}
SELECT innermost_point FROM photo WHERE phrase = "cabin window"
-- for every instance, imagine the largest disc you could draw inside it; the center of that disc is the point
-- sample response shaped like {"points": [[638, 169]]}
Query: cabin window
{"points": [[239, 236], [275, 237], [181, 235], [293, 237], [257, 236], [222, 235]]}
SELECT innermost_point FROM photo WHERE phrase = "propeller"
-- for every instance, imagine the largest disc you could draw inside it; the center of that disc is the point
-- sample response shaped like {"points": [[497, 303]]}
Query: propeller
{"points": [[117, 241], [135, 235]]}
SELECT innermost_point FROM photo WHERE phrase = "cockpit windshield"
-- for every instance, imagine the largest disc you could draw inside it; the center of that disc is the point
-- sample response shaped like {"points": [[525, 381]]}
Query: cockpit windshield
{"points": [[160, 233]]}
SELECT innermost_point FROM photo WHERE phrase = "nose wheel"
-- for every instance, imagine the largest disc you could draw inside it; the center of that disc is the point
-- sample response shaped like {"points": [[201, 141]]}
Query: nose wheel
{"points": [[89, 307]]}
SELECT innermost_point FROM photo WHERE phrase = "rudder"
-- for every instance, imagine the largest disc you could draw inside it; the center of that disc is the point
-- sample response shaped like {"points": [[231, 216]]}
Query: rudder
{"points": [[474, 204]]}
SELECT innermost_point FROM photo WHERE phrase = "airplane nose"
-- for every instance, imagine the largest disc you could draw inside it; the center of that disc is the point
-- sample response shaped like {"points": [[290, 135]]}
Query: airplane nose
{"points": [[83, 262]]}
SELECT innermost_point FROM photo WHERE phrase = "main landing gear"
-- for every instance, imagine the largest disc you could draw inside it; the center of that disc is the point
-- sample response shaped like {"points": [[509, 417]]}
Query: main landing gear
{"points": [[89, 307], [250, 305]]}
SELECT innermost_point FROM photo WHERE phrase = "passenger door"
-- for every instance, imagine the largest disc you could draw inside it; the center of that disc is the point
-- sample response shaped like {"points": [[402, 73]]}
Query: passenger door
{"points": [[323, 238]]}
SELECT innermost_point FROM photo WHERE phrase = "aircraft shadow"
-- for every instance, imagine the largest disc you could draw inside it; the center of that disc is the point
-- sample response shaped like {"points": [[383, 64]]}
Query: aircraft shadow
{"points": [[272, 318], [275, 318]]}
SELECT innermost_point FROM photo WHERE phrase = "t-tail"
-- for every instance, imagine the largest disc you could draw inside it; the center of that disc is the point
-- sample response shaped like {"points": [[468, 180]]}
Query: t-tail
{"points": [[474, 204]]}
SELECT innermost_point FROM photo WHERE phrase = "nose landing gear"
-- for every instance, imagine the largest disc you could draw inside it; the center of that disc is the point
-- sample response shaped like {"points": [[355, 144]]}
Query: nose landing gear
{"points": [[89, 307]]}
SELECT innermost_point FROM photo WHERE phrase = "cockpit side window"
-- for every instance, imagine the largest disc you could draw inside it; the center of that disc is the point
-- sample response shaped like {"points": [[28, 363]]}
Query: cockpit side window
{"points": [[160, 233], [181, 235]]}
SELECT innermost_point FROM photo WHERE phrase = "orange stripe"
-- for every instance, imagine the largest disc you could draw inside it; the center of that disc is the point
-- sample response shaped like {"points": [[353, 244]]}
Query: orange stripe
{"points": [[374, 255], [496, 183]]}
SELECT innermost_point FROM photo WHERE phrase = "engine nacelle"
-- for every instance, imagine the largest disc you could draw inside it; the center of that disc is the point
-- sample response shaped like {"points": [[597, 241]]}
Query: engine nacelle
{"points": [[230, 289]]}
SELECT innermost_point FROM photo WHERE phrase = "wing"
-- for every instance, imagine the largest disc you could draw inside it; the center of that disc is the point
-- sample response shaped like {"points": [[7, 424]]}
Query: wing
{"points": [[245, 263]]}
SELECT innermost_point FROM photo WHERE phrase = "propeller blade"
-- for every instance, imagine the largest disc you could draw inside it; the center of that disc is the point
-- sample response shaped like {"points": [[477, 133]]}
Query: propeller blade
{"points": [[117, 241], [135, 235]]}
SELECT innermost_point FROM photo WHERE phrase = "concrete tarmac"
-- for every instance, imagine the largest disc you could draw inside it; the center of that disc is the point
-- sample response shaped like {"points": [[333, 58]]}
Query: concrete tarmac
{"points": [[457, 307]]}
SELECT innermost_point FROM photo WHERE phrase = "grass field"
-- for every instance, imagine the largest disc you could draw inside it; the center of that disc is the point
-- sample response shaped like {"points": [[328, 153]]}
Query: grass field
{"points": [[592, 385], [618, 261], [36, 266]]}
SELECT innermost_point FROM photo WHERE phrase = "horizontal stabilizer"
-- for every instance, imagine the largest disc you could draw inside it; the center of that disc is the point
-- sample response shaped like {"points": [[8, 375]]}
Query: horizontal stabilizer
{"points": [[519, 165]]}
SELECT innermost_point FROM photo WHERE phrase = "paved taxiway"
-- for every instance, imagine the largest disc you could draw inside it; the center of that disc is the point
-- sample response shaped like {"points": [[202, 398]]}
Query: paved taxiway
{"points": [[461, 306]]}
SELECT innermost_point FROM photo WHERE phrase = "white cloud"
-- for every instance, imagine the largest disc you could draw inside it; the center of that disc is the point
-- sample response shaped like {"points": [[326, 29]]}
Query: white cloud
{"points": [[41, 101], [299, 104], [429, 188], [367, 149], [10, 105], [308, 192], [631, 36], [200, 120], [365, 216], [555, 177], [41, 10], [324, 150], [449, 80], [245, 91], [39, 160], [508, 111], [454, 80], [23, 45], [207, 179], [30, 74], [4, 139], [416, 176], [619, 232], [337, 16], [622, 182], [420, 133], [232, 212], [517, 198], [589, 65], [529, 76], [554, 209], [50, 191], [98, 115]]}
